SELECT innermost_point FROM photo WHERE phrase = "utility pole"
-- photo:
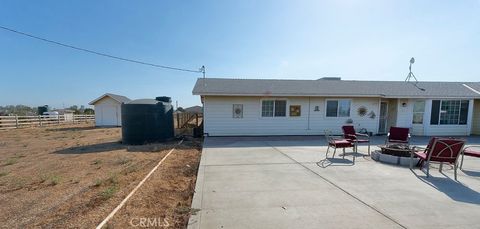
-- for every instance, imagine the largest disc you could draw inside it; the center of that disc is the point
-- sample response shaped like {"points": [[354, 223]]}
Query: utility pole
{"points": [[202, 70]]}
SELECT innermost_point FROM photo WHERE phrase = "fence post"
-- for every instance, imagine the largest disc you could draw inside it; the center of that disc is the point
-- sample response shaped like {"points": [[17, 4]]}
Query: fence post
{"points": [[178, 120], [16, 121], [40, 120], [196, 119]]}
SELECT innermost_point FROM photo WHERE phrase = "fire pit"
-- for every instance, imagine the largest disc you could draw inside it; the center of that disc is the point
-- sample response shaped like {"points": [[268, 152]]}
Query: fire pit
{"points": [[397, 154]]}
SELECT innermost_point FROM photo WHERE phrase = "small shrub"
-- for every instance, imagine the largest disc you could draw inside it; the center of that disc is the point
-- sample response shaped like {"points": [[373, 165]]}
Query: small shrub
{"points": [[109, 192], [97, 162], [54, 180], [113, 179], [98, 183], [11, 161], [20, 183], [194, 211], [186, 209], [2, 174], [122, 160], [130, 169]]}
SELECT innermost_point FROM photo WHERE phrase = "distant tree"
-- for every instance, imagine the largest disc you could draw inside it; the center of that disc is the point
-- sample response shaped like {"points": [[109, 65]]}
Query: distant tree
{"points": [[82, 109], [17, 110], [89, 111], [74, 108]]}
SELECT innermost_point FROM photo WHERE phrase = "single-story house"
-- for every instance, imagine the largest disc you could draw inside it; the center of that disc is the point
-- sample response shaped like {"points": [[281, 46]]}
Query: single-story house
{"points": [[108, 109], [238, 107]]}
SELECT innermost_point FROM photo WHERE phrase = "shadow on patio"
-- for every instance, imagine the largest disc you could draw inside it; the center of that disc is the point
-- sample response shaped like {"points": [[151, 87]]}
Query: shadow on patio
{"points": [[456, 190]]}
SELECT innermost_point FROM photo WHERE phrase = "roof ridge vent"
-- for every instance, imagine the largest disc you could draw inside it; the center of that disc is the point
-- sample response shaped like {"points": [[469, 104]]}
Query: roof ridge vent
{"points": [[330, 78]]}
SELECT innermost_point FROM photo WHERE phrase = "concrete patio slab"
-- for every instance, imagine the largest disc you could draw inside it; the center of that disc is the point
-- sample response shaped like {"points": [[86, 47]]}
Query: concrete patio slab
{"points": [[287, 182]]}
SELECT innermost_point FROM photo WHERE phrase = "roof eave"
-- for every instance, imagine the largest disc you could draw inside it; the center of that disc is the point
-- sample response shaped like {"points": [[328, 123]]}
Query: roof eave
{"points": [[340, 95], [286, 94], [103, 96]]}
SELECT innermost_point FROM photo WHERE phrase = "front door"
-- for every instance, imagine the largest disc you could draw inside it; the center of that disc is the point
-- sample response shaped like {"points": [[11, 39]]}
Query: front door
{"points": [[382, 119]]}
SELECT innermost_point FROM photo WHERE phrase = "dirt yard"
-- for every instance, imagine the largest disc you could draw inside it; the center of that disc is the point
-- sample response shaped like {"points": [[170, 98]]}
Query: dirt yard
{"points": [[74, 176]]}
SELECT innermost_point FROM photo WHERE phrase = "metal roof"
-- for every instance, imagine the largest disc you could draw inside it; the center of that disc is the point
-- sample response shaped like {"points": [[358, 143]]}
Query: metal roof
{"points": [[118, 98], [335, 87]]}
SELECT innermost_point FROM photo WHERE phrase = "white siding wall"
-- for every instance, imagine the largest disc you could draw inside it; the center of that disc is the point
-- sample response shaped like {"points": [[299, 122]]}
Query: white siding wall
{"points": [[219, 121], [107, 119], [405, 116], [448, 130], [404, 113]]}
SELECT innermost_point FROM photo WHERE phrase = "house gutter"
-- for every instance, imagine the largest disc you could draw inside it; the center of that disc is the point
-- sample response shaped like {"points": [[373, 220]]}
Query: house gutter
{"points": [[346, 96]]}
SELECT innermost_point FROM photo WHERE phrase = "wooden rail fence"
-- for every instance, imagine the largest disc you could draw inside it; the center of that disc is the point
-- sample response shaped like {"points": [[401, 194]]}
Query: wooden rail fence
{"points": [[13, 122], [186, 119]]}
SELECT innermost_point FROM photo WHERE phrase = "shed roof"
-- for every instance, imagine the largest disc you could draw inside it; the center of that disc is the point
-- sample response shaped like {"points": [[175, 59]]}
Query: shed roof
{"points": [[118, 98], [334, 87]]}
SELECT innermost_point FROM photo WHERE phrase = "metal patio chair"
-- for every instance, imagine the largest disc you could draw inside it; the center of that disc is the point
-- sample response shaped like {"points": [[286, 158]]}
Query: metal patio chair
{"points": [[472, 151], [398, 135], [443, 150], [336, 141], [355, 138]]}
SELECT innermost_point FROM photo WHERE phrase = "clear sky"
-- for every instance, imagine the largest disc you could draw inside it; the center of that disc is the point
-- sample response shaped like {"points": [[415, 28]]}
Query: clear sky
{"points": [[353, 39]]}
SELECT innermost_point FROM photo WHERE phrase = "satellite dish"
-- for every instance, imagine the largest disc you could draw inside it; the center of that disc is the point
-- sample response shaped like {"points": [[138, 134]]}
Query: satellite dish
{"points": [[411, 75]]}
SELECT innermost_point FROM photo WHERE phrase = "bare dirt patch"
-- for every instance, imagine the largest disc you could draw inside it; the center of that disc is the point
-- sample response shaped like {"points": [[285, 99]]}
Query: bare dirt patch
{"points": [[73, 176]]}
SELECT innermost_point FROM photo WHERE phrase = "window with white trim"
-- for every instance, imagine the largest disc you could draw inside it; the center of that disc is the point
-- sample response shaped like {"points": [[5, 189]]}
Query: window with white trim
{"points": [[418, 111], [274, 108], [449, 112], [338, 108]]}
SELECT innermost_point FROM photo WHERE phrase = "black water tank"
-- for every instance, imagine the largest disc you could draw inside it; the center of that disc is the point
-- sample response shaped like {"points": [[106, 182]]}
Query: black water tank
{"points": [[42, 109], [147, 121]]}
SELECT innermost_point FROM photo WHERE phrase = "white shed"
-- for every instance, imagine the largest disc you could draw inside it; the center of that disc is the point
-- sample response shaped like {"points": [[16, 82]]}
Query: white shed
{"points": [[108, 110]]}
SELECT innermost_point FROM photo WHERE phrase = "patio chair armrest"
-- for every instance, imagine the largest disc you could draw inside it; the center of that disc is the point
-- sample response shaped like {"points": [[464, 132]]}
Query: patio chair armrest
{"points": [[471, 146], [336, 137], [418, 147], [363, 135], [351, 135]]}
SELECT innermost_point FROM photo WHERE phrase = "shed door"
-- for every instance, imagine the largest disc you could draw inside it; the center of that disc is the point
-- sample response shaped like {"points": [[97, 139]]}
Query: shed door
{"points": [[109, 116]]}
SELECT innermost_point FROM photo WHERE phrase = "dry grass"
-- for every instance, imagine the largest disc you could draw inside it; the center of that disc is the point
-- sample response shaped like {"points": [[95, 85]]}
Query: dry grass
{"points": [[73, 176]]}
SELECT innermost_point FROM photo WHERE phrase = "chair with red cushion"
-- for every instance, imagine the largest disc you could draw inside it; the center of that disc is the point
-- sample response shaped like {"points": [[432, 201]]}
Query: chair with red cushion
{"points": [[337, 142], [443, 150], [398, 135], [472, 151], [355, 138]]}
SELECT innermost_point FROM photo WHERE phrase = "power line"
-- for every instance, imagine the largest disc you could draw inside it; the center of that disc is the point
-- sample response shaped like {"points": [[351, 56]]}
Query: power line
{"points": [[201, 70]]}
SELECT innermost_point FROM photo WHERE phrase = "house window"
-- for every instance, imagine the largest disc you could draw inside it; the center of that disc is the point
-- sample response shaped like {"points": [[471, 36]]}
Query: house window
{"points": [[295, 110], [274, 108], [418, 111], [449, 112], [338, 108]]}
